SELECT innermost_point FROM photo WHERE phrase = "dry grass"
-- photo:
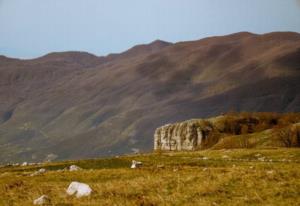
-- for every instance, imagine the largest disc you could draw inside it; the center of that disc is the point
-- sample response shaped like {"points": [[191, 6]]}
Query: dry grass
{"points": [[227, 177]]}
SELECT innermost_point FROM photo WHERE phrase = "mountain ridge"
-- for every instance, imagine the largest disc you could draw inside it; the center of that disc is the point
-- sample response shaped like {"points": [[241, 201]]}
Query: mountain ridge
{"points": [[110, 105]]}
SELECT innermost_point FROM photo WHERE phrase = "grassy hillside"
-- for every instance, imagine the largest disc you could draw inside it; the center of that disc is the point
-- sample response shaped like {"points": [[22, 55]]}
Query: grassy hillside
{"points": [[210, 177], [74, 104]]}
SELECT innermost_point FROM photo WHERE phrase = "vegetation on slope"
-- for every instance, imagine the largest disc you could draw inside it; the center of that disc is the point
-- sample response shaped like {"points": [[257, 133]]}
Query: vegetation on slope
{"points": [[59, 102], [255, 130]]}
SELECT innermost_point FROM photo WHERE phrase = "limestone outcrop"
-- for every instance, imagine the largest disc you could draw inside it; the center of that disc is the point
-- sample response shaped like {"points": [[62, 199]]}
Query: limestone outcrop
{"points": [[237, 130], [188, 135]]}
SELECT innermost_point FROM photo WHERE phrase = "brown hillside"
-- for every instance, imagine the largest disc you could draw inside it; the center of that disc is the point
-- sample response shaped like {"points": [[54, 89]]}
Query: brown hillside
{"points": [[76, 105]]}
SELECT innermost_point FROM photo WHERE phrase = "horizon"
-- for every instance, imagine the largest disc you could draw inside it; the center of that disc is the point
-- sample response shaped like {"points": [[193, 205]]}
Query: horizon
{"points": [[146, 43], [31, 29]]}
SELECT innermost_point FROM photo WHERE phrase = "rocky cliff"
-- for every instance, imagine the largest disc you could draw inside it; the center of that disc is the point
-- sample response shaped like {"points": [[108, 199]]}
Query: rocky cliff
{"points": [[229, 131], [188, 135]]}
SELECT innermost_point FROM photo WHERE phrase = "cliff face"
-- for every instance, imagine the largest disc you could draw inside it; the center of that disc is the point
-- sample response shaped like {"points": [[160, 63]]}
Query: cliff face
{"points": [[230, 131], [188, 135]]}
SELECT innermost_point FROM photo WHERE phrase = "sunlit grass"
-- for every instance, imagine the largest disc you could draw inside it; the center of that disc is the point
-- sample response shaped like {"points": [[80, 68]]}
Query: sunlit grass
{"points": [[211, 177]]}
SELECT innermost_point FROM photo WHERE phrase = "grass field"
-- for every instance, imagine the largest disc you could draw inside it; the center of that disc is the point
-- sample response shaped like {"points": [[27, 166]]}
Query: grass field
{"points": [[210, 177]]}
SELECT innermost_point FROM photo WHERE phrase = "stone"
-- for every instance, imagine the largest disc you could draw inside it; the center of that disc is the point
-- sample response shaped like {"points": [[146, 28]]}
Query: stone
{"points": [[79, 189], [135, 164], [24, 164], [42, 200], [40, 171], [74, 168]]}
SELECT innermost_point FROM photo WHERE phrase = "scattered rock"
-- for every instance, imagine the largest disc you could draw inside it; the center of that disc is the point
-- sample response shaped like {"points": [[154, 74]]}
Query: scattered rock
{"points": [[74, 168], [42, 200], [160, 166], [40, 171], [79, 189], [16, 164], [135, 164]]}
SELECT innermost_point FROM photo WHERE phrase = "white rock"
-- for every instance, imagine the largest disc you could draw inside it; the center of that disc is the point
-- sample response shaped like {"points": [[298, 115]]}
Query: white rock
{"points": [[79, 189], [24, 164], [204, 169], [44, 199], [40, 171], [205, 158], [74, 168], [135, 164]]}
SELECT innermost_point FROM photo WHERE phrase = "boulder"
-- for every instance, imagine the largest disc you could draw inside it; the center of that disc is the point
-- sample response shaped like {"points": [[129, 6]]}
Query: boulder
{"points": [[40, 171], [135, 164], [79, 189], [42, 200], [74, 168]]}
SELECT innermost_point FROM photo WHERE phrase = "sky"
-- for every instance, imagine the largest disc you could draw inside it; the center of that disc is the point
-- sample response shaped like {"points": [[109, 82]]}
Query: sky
{"points": [[32, 28]]}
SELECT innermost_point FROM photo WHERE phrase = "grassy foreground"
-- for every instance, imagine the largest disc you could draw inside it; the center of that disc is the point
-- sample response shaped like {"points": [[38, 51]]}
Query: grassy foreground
{"points": [[211, 177]]}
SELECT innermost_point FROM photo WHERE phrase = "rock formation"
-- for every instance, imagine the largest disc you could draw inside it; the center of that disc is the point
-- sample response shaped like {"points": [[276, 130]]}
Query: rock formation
{"points": [[188, 135], [79, 189], [230, 131], [43, 200]]}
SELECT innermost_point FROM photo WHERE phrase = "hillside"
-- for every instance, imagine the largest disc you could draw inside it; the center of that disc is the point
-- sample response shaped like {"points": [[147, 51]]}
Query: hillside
{"points": [[233, 130], [210, 177], [75, 105]]}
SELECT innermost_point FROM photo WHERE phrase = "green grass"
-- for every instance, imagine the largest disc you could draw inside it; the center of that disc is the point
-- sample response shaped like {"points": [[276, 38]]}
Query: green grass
{"points": [[223, 177]]}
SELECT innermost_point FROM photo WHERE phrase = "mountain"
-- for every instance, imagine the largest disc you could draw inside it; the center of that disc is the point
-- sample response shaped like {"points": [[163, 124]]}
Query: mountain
{"points": [[74, 105]]}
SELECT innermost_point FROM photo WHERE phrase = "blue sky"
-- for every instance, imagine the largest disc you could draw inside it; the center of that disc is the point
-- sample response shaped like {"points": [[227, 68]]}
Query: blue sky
{"points": [[31, 28]]}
